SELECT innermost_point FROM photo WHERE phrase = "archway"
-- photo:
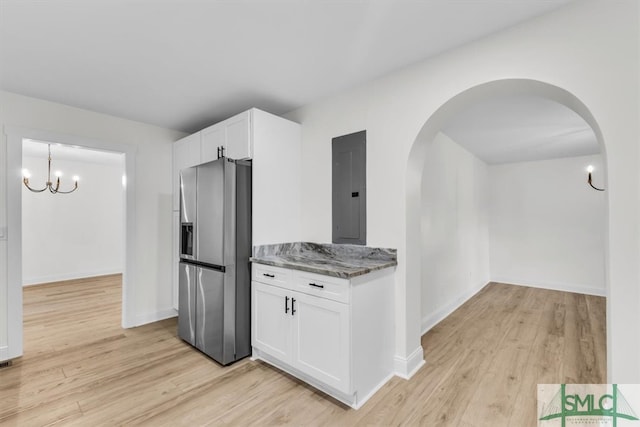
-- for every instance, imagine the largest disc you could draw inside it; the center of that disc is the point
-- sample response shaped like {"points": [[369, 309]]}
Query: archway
{"points": [[427, 134]]}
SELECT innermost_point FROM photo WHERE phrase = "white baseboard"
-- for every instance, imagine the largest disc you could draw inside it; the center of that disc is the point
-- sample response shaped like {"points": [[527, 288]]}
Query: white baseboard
{"points": [[346, 398], [564, 287], [7, 353], [433, 319], [407, 367], [361, 401], [143, 319], [30, 281]]}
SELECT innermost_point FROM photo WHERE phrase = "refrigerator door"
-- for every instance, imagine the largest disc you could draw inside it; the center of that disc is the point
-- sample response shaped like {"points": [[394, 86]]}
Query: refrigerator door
{"points": [[210, 312], [188, 219], [187, 302], [216, 212]]}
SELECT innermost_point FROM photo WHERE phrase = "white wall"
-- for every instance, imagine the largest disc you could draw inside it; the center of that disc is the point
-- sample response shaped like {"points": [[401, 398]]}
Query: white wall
{"points": [[69, 236], [4, 350], [569, 49], [455, 248], [150, 147], [547, 225]]}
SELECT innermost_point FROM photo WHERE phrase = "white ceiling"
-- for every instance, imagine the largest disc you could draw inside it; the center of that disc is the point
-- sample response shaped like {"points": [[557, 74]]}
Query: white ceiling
{"points": [[189, 63], [521, 128], [39, 149]]}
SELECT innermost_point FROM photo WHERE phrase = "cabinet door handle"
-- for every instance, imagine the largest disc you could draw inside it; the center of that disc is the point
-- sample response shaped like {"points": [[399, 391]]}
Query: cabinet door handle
{"points": [[293, 307], [268, 275], [316, 286], [286, 305]]}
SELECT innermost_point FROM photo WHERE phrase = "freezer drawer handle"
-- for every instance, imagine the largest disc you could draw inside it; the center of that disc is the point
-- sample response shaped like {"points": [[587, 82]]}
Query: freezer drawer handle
{"points": [[293, 307], [316, 286], [268, 275], [286, 305]]}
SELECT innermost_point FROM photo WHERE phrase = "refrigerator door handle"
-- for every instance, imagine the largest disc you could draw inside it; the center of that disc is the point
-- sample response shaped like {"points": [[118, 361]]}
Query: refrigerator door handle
{"points": [[202, 311]]}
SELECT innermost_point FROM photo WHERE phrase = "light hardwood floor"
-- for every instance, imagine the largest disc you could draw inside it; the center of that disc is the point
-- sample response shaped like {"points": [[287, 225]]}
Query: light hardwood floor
{"points": [[483, 364]]}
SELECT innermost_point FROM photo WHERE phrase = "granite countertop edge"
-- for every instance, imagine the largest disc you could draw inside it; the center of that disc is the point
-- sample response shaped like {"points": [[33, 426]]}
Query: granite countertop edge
{"points": [[354, 272]]}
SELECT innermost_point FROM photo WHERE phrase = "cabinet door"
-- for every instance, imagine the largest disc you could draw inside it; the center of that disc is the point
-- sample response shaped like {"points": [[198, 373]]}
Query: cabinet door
{"points": [[321, 333], [271, 320], [238, 138], [186, 153], [212, 138]]}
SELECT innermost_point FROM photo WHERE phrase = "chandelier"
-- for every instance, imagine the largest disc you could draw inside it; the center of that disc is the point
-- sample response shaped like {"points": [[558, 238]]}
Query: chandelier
{"points": [[54, 189]]}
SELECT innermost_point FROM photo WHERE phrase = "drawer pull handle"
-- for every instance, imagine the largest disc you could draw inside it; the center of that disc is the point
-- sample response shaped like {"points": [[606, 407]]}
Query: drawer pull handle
{"points": [[293, 307], [286, 305], [316, 286], [268, 275]]}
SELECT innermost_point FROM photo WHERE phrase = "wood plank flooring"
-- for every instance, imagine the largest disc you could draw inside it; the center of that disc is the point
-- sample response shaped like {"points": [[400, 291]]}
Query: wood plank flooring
{"points": [[483, 363]]}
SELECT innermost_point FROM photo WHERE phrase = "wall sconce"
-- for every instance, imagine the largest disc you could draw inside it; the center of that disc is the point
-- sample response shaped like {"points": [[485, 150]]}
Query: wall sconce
{"points": [[590, 169]]}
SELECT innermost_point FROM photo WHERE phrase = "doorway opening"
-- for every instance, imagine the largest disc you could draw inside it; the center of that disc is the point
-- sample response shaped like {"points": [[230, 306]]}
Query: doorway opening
{"points": [[72, 244], [72, 236], [125, 252]]}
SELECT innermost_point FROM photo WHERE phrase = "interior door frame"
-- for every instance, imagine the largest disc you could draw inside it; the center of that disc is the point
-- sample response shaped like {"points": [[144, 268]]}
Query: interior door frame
{"points": [[14, 138]]}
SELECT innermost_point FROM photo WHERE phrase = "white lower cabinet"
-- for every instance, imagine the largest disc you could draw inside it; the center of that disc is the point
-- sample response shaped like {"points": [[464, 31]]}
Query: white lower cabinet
{"points": [[271, 325], [321, 339], [306, 324]]}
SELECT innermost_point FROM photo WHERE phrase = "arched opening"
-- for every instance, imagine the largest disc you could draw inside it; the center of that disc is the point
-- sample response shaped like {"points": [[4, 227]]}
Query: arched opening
{"points": [[430, 131]]}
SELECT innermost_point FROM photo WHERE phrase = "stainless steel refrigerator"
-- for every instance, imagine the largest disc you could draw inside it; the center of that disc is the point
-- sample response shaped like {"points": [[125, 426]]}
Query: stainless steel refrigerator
{"points": [[215, 246]]}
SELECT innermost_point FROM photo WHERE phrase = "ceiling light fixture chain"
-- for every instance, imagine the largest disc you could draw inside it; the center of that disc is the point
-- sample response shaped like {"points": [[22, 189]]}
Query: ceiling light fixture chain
{"points": [[49, 184]]}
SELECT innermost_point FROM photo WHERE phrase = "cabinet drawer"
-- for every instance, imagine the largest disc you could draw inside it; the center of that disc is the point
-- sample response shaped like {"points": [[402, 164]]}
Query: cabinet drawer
{"points": [[271, 275], [329, 287]]}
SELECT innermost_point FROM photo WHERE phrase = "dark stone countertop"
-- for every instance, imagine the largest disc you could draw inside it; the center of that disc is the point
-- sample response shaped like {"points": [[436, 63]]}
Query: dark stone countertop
{"points": [[344, 261]]}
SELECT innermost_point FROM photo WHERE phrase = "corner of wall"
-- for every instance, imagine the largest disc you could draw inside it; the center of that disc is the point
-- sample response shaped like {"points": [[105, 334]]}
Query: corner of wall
{"points": [[143, 319], [433, 319], [407, 367]]}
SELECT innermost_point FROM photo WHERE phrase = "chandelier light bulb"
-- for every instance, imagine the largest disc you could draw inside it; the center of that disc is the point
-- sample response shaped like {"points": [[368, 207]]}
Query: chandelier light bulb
{"points": [[75, 178], [590, 168], [58, 174], [26, 173]]}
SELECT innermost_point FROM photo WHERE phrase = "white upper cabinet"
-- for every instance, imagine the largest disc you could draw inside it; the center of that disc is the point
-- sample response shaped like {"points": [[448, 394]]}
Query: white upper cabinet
{"points": [[212, 139], [186, 153], [274, 145], [239, 142], [232, 136]]}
